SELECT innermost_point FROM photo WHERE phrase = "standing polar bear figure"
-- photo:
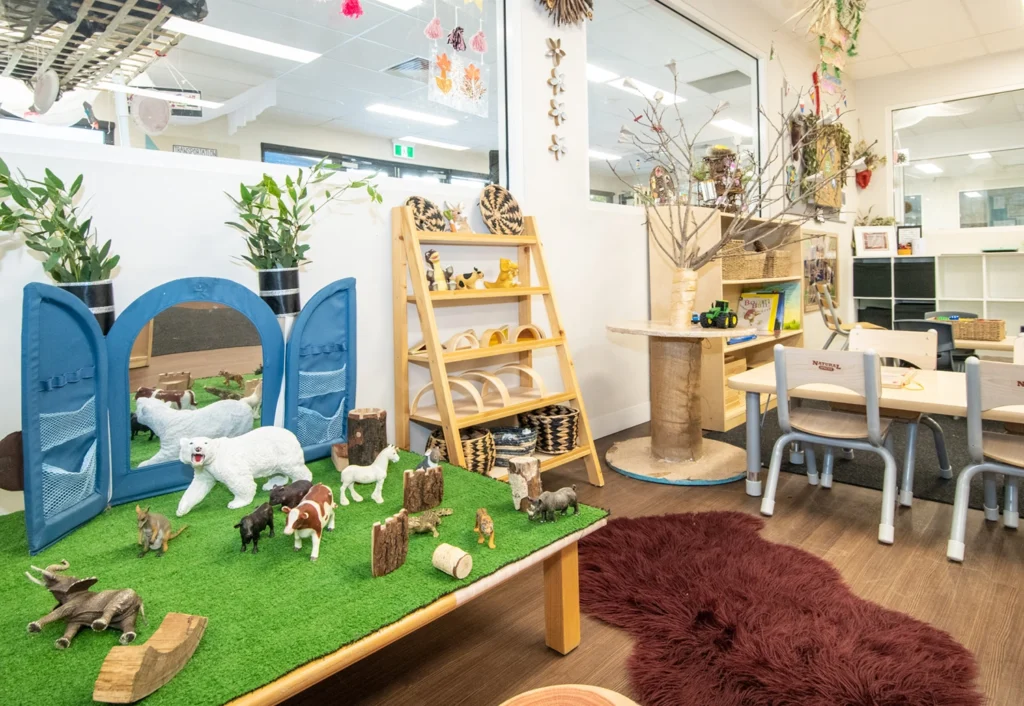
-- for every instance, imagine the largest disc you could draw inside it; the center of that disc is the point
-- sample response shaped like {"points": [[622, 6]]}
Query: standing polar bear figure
{"points": [[267, 452]]}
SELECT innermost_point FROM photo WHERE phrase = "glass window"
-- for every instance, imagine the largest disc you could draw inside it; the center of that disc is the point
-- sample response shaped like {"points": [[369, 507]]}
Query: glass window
{"points": [[634, 40], [965, 162], [224, 78], [912, 210]]}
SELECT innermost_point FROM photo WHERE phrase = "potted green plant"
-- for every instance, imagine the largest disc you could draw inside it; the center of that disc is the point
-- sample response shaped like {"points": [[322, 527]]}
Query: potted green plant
{"points": [[45, 214], [273, 218]]}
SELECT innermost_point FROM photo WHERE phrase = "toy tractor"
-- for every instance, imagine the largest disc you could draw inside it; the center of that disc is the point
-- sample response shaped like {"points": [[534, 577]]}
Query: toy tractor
{"points": [[719, 316]]}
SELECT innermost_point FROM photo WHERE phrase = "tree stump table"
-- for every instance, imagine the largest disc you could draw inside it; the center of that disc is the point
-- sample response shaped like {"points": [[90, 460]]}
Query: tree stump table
{"points": [[676, 452]]}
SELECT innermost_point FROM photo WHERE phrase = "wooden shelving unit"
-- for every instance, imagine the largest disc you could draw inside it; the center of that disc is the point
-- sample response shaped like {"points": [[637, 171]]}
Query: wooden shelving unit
{"points": [[408, 267]]}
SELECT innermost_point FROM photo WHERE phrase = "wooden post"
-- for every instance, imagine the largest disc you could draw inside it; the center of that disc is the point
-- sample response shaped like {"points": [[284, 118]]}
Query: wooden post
{"points": [[675, 398], [367, 435], [12, 463], [389, 544], [423, 489], [524, 480], [562, 600]]}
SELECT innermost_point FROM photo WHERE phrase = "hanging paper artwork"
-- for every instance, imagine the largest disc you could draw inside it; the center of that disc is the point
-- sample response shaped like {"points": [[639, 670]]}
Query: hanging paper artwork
{"points": [[478, 42], [458, 84], [569, 12], [457, 40], [433, 30], [352, 8]]}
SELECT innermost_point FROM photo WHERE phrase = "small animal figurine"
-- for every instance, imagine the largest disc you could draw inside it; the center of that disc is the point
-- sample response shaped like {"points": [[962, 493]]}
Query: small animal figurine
{"points": [[507, 277], [376, 472], [230, 377], [175, 399], [484, 527], [77, 606], [455, 213], [154, 531], [428, 521], [252, 524], [290, 494], [310, 517], [138, 426], [222, 394], [430, 461], [468, 280], [549, 503], [223, 418], [438, 278]]}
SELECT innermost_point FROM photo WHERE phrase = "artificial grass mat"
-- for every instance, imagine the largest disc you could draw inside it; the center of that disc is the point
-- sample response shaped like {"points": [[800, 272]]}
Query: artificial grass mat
{"points": [[268, 613]]}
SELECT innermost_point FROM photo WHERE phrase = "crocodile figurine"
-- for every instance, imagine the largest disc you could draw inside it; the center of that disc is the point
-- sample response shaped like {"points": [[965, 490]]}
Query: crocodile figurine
{"points": [[428, 521]]}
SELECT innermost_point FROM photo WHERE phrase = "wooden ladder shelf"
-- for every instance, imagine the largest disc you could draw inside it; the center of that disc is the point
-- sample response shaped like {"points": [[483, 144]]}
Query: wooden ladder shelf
{"points": [[408, 265]]}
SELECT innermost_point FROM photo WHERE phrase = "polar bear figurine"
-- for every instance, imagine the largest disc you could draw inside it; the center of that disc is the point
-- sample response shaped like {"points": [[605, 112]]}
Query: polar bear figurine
{"points": [[224, 418], [267, 452]]}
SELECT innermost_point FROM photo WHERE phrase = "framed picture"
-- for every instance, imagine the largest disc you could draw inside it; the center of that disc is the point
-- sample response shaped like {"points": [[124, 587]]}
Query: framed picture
{"points": [[875, 241], [905, 237], [821, 266]]}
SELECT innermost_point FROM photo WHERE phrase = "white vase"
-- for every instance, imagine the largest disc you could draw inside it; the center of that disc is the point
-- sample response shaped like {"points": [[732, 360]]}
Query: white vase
{"points": [[682, 298]]}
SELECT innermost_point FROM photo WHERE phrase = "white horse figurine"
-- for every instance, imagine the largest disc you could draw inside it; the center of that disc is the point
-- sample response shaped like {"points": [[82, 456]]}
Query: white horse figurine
{"points": [[374, 473]]}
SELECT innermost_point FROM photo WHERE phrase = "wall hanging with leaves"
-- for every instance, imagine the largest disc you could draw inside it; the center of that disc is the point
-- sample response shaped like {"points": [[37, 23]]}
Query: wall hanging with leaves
{"points": [[569, 12]]}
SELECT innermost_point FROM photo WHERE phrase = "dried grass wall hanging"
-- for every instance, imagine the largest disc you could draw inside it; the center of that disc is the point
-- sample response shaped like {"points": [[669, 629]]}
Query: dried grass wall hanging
{"points": [[569, 12]]}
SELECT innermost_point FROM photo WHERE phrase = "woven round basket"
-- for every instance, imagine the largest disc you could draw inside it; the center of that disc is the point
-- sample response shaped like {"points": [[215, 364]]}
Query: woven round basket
{"points": [[557, 428], [510, 442], [477, 447]]}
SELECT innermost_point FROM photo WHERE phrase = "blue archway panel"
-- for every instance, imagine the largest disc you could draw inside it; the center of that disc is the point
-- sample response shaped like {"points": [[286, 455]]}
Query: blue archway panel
{"points": [[132, 484], [321, 369]]}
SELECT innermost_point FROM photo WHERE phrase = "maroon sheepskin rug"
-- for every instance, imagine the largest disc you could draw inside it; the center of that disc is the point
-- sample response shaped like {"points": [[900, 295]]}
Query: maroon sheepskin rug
{"points": [[722, 617]]}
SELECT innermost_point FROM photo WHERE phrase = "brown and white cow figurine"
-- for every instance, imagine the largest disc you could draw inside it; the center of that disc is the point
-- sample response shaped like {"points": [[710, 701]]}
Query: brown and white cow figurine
{"points": [[176, 399], [310, 517]]}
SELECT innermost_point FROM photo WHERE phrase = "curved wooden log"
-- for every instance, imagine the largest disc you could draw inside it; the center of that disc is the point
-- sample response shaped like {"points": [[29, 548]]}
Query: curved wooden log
{"points": [[134, 672]]}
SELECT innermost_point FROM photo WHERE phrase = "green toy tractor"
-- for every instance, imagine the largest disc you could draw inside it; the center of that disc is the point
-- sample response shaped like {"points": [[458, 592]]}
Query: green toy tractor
{"points": [[719, 316]]}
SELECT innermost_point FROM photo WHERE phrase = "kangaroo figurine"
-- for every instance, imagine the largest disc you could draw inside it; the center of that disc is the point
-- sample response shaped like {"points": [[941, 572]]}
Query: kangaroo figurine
{"points": [[154, 531]]}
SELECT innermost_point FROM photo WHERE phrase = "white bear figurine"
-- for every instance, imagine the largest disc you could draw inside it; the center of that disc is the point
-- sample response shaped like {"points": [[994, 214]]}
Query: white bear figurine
{"points": [[267, 452], [224, 418]]}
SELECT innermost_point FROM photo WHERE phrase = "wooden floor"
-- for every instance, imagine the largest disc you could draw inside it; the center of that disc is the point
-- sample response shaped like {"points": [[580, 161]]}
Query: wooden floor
{"points": [[493, 648], [243, 359]]}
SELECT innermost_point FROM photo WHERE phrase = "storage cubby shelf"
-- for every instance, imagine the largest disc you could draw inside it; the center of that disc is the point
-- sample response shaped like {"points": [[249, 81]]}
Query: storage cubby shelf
{"points": [[455, 296], [761, 340], [463, 238], [763, 280], [547, 461], [490, 351]]}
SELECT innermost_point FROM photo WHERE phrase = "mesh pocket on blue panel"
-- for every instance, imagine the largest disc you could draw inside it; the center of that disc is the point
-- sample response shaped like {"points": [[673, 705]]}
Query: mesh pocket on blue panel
{"points": [[318, 384], [62, 488], [315, 428]]}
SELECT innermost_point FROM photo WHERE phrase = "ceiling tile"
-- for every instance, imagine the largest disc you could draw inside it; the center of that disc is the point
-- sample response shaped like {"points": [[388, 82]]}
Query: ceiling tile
{"points": [[272, 26], [369, 55], [1010, 40], [869, 68], [945, 53], [870, 44], [917, 24], [995, 15]]}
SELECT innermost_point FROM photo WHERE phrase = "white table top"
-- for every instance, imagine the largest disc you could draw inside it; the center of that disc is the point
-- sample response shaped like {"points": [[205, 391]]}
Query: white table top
{"points": [[662, 329]]}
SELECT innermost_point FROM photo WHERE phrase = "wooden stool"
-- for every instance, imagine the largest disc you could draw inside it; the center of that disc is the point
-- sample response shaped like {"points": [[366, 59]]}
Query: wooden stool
{"points": [[570, 695]]}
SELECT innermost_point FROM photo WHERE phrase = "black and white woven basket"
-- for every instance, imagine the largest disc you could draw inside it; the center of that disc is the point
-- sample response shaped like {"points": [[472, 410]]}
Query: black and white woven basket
{"points": [[510, 442], [477, 447], [557, 428]]}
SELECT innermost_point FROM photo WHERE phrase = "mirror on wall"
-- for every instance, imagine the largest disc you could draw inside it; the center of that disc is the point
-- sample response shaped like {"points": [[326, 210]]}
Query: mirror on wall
{"points": [[964, 163], [185, 359]]}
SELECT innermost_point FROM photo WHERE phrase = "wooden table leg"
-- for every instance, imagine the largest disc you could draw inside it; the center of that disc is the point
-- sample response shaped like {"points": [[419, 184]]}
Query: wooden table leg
{"points": [[562, 600]]}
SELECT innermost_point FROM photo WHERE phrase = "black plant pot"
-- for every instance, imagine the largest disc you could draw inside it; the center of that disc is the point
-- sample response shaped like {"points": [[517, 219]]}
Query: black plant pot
{"points": [[279, 288], [98, 296]]}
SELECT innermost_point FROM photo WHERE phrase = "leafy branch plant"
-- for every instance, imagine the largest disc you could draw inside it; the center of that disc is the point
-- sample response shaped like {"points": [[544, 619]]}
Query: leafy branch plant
{"points": [[45, 214], [273, 217]]}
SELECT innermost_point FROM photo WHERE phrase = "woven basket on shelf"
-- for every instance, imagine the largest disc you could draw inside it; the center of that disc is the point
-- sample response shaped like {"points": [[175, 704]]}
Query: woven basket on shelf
{"points": [[738, 263], [477, 447], [510, 442], [979, 329], [776, 264], [557, 428]]}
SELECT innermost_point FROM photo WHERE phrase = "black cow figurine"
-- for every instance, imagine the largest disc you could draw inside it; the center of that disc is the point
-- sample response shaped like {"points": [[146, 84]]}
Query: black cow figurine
{"points": [[252, 524], [290, 495], [138, 426]]}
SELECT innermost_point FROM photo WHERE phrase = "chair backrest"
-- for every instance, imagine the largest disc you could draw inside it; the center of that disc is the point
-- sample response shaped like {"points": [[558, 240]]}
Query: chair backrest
{"points": [[1018, 350], [943, 329], [947, 314], [919, 348], [827, 309], [859, 372], [990, 386]]}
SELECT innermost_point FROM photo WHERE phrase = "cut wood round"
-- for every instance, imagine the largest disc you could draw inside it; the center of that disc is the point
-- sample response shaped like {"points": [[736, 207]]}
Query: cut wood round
{"points": [[367, 435], [452, 560], [675, 398], [524, 480], [423, 489]]}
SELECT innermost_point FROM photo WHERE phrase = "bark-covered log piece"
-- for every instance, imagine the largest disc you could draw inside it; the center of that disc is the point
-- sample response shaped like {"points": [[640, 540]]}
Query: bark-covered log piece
{"points": [[389, 544], [12, 463], [367, 435], [424, 489], [524, 480]]}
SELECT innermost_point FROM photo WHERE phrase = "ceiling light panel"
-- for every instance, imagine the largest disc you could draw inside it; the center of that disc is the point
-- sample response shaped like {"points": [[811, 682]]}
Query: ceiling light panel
{"points": [[168, 96], [929, 168], [433, 143], [603, 156], [396, 112], [239, 41]]}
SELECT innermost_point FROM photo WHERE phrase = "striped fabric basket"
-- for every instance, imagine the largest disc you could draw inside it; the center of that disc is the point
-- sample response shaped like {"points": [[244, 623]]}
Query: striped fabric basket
{"points": [[510, 442], [557, 428], [477, 447]]}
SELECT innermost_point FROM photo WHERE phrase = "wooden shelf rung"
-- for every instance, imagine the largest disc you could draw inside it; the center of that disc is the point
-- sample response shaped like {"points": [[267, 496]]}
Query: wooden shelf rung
{"points": [[489, 351], [493, 415], [457, 297], [444, 238]]}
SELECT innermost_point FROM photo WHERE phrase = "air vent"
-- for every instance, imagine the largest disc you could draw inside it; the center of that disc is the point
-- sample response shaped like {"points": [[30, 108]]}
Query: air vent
{"points": [[416, 69], [721, 82]]}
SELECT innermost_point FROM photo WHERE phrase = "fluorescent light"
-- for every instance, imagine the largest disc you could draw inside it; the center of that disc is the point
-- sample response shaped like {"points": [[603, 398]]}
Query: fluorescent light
{"points": [[239, 41], [433, 143], [645, 90], [929, 168], [972, 194], [402, 5], [168, 96], [397, 112], [599, 75], [470, 181], [604, 156], [733, 127], [981, 155]]}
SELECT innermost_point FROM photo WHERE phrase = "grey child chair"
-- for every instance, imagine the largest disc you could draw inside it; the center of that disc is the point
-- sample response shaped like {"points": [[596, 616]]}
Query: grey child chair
{"points": [[989, 386], [858, 372]]}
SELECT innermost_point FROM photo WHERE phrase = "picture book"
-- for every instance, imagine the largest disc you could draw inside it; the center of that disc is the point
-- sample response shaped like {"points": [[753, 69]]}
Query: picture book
{"points": [[789, 303], [758, 311]]}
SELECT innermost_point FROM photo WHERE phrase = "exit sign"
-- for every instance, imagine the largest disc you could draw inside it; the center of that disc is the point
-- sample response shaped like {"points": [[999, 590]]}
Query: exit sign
{"points": [[404, 151]]}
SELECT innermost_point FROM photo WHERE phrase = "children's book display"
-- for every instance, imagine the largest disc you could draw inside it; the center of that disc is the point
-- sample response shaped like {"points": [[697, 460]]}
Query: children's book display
{"points": [[759, 311]]}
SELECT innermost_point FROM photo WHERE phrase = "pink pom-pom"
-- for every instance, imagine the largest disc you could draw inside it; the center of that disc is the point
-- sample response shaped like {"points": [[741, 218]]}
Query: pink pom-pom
{"points": [[433, 29], [479, 42], [352, 8]]}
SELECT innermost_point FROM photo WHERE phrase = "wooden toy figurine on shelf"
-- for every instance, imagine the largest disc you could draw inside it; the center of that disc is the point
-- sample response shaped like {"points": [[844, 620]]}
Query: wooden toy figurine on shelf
{"points": [[438, 278], [506, 277], [456, 215], [468, 280]]}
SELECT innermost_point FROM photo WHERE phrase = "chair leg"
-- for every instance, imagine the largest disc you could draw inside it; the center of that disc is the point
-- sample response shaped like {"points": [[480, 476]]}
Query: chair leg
{"points": [[796, 454], [1011, 515], [945, 470], [991, 502], [812, 466], [886, 530], [829, 341], [907, 482], [955, 546], [846, 454], [772, 481], [826, 467]]}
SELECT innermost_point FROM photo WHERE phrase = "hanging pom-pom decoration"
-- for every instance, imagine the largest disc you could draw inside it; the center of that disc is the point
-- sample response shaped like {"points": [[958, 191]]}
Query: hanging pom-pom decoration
{"points": [[478, 42], [456, 39], [352, 8], [433, 29]]}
